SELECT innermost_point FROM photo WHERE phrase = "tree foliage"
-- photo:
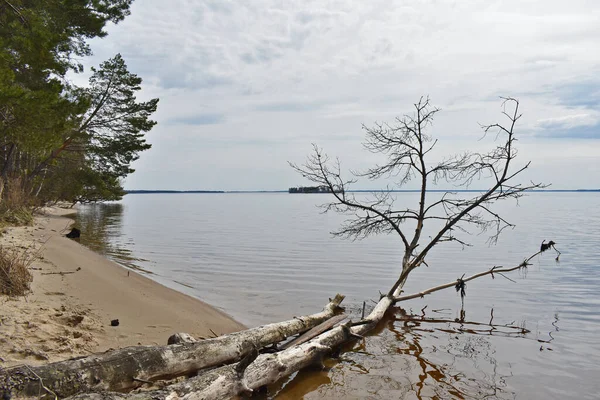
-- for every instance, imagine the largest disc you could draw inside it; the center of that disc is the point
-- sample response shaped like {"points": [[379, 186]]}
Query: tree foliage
{"points": [[59, 141], [110, 132], [115, 122]]}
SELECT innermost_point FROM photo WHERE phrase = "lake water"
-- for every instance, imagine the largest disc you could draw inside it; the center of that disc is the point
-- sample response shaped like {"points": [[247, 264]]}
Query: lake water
{"points": [[268, 257]]}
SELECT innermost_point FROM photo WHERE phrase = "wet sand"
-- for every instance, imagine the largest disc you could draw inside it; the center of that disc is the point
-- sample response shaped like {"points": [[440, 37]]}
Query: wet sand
{"points": [[76, 293]]}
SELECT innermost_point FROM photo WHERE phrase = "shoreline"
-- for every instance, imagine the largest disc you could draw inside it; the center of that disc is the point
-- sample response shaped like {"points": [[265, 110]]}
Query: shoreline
{"points": [[76, 293]]}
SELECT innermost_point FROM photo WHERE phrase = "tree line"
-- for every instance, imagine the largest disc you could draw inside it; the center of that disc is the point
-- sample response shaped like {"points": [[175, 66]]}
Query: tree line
{"points": [[60, 141]]}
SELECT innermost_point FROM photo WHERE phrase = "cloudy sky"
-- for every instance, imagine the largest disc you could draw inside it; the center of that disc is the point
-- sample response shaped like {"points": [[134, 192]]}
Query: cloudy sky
{"points": [[246, 86]]}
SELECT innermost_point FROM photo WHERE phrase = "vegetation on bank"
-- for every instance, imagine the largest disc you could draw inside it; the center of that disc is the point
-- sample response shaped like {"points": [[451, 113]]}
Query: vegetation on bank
{"points": [[15, 276], [59, 141]]}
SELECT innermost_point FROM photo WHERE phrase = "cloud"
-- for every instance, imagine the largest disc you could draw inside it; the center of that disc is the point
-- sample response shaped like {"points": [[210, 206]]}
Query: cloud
{"points": [[182, 81], [199, 119], [580, 118], [269, 74], [288, 106], [568, 121], [563, 131], [580, 94]]}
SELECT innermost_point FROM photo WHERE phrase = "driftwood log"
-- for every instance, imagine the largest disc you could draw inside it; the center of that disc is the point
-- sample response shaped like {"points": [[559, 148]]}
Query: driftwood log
{"points": [[128, 368], [252, 373], [225, 383], [244, 377]]}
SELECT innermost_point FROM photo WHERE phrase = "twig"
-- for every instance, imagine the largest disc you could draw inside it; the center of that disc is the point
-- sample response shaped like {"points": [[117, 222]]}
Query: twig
{"points": [[58, 273], [42, 383], [213, 332], [491, 271], [181, 283], [504, 276], [21, 17], [462, 322], [362, 316]]}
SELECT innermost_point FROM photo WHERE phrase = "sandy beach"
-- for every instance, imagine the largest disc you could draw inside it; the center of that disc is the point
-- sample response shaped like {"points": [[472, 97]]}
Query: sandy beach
{"points": [[76, 293]]}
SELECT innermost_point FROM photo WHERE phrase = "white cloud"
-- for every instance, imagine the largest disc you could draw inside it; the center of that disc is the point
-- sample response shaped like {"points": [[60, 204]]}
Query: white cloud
{"points": [[570, 121], [264, 78]]}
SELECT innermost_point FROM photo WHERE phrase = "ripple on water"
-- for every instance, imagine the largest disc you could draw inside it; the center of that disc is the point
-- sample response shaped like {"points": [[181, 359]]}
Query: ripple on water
{"points": [[267, 257]]}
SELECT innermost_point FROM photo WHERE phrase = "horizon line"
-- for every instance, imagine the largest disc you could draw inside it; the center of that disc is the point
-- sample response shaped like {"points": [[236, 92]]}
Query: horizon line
{"points": [[208, 191]]}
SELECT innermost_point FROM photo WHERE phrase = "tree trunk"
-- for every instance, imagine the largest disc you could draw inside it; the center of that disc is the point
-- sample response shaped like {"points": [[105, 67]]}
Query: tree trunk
{"points": [[46, 162], [6, 168], [237, 379], [127, 368]]}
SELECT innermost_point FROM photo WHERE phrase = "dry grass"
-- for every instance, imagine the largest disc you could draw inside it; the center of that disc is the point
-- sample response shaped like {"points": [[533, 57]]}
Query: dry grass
{"points": [[16, 207], [15, 277]]}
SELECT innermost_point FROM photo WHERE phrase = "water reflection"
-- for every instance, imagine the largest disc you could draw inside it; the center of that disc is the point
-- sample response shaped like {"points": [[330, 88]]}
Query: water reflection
{"points": [[101, 226], [414, 357], [277, 248]]}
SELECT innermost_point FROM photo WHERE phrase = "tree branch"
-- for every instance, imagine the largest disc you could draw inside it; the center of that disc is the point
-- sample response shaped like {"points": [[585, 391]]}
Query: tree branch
{"points": [[492, 271]]}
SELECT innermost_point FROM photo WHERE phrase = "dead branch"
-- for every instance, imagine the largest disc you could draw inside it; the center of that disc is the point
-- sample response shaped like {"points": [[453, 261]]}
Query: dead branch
{"points": [[492, 271], [58, 273], [42, 384], [227, 381], [405, 146], [18, 12], [224, 382], [492, 327]]}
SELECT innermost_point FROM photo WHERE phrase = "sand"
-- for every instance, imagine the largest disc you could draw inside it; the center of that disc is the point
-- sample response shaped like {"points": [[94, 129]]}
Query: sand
{"points": [[69, 315]]}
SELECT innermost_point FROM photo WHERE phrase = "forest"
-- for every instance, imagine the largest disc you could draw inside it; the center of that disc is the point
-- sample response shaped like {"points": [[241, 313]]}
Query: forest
{"points": [[60, 141]]}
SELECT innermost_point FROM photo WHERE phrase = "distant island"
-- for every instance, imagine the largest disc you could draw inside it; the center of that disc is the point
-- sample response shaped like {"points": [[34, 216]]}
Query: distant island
{"points": [[314, 189]]}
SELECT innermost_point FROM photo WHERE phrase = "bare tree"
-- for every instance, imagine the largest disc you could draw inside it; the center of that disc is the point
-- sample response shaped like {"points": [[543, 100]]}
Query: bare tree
{"points": [[406, 146], [261, 356]]}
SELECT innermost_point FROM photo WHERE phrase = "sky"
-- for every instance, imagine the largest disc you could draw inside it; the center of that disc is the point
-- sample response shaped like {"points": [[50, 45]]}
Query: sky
{"points": [[246, 86]]}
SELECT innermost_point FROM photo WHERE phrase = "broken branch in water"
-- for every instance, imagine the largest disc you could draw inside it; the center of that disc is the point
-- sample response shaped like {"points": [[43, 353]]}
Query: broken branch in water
{"points": [[242, 378], [459, 284], [545, 246], [493, 327]]}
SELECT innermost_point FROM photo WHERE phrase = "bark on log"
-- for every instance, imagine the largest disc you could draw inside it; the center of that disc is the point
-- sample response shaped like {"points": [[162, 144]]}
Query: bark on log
{"points": [[181, 338], [221, 383], [127, 368]]}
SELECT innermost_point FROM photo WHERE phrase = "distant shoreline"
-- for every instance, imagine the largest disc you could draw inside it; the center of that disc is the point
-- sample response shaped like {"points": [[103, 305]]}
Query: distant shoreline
{"points": [[171, 191], [348, 191]]}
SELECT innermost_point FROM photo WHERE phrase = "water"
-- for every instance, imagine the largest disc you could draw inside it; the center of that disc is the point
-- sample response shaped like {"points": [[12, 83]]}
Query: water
{"points": [[268, 257]]}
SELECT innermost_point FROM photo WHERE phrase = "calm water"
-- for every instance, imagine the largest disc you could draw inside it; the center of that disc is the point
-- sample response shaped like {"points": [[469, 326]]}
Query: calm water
{"points": [[267, 257]]}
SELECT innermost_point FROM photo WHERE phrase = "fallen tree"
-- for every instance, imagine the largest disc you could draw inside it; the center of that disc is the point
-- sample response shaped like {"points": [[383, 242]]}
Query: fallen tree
{"points": [[257, 371], [130, 367], [406, 147]]}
